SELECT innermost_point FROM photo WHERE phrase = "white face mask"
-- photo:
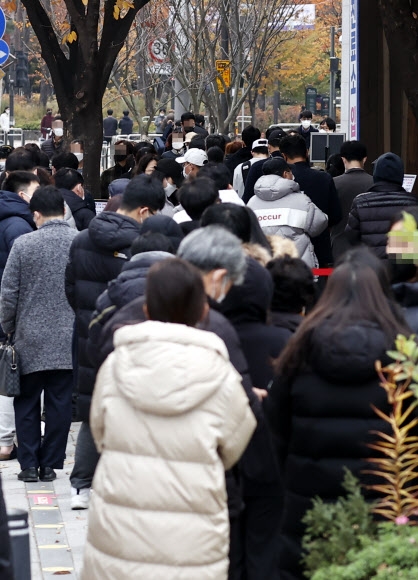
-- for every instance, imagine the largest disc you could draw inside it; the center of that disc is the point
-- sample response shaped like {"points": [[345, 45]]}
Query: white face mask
{"points": [[58, 132], [323, 131], [185, 175], [169, 189], [177, 145], [79, 156], [306, 123]]}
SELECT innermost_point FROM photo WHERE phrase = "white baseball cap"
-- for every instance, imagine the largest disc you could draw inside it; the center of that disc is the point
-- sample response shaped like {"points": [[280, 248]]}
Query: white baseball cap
{"points": [[260, 143], [189, 136], [194, 156]]}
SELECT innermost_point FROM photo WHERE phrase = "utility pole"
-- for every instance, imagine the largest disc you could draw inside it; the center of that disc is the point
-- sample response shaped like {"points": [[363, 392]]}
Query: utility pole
{"points": [[333, 68], [225, 54], [276, 101]]}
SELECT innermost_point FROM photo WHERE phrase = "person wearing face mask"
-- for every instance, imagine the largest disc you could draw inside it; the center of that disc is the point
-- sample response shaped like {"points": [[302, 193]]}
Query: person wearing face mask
{"points": [[192, 161], [173, 178], [282, 209], [56, 143], [175, 146], [327, 125], [15, 220], [97, 256], [34, 308], [188, 123], [70, 183], [219, 256], [305, 129]]}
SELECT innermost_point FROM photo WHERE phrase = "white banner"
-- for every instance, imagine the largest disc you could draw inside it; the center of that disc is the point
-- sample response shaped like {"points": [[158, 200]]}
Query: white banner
{"points": [[299, 17]]}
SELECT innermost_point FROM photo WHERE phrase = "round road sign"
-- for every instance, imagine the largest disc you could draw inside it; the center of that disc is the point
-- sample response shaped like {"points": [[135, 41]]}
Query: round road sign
{"points": [[157, 50]]}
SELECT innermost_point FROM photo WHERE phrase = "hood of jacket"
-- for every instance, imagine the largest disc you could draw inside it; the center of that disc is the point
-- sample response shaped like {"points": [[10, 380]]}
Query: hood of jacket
{"points": [[11, 205], [179, 366], [163, 224], [406, 293], [272, 187], [389, 167], [130, 283], [347, 355], [250, 301], [113, 231]]}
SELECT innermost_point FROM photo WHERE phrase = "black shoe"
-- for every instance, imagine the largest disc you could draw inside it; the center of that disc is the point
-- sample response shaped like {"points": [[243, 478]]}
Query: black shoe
{"points": [[47, 474], [29, 474]]}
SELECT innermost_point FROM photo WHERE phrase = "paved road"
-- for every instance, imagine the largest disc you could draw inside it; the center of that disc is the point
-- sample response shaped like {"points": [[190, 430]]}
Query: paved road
{"points": [[57, 534]]}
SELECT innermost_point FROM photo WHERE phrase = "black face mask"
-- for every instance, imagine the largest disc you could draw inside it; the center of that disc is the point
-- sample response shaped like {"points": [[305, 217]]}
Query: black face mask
{"points": [[401, 271], [188, 129]]}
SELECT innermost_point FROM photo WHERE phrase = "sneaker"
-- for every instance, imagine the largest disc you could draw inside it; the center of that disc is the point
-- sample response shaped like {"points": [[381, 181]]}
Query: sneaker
{"points": [[80, 498]]}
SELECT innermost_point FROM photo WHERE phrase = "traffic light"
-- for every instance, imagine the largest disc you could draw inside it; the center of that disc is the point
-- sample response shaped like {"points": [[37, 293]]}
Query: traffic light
{"points": [[22, 69], [338, 80]]}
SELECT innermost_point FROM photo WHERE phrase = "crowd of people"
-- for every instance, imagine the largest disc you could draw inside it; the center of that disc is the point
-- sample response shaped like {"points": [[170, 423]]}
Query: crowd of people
{"points": [[221, 380]]}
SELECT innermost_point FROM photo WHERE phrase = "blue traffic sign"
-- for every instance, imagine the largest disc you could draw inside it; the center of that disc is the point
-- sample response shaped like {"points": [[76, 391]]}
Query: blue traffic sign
{"points": [[4, 51], [2, 23]]}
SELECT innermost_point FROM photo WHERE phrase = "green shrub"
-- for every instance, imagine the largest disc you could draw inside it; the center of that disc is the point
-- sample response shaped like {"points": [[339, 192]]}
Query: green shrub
{"points": [[392, 554], [332, 529]]}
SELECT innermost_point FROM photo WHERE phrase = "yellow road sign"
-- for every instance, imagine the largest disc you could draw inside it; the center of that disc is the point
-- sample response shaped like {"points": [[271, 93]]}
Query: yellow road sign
{"points": [[223, 68]]}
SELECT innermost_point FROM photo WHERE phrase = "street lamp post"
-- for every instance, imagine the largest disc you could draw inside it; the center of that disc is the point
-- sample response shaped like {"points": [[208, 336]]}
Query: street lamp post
{"points": [[333, 67], [12, 101]]}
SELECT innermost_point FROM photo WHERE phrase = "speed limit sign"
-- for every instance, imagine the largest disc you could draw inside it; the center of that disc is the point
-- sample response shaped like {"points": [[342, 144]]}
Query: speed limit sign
{"points": [[157, 50]]}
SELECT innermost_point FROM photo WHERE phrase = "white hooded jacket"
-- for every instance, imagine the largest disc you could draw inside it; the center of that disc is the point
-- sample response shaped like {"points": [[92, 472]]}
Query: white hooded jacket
{"points": [[169, 415], [282, 209]]}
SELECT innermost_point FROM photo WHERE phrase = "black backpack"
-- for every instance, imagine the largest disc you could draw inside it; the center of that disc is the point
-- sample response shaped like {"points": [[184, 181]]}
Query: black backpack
{"points": [[245, 170]]}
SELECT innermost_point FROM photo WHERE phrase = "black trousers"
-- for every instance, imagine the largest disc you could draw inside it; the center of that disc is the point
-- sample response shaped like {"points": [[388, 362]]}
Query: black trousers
{"points": [[57, 386], [260, 527]]}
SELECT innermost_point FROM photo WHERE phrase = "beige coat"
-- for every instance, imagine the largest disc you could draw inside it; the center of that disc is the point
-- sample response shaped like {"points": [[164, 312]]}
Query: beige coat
{"points": [[168, 415]]}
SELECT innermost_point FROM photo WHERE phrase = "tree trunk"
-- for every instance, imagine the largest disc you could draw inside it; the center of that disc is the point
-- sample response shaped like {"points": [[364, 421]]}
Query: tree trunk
{"points": [[87, 125], [400, 24], [80, 76]]}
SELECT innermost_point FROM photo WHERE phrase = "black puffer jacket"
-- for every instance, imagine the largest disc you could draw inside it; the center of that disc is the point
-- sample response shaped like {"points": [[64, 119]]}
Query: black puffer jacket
{"points": [[15, 220], [246, 308], [288, 320], [371, 213], [130, 284], [236, 158], [323, 419], [97, 256], [82, 214]]}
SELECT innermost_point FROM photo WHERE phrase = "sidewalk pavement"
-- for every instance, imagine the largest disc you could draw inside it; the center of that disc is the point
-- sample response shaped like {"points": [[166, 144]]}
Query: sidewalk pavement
{"points": [[57, 534]]}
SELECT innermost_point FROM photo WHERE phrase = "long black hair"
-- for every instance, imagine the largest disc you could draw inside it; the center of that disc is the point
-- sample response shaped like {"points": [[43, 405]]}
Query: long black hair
{"points": [[357, 291]]}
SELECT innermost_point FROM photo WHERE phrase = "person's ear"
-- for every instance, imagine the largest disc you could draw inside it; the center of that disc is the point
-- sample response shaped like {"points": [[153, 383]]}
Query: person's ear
{"points": [[218, 275]]}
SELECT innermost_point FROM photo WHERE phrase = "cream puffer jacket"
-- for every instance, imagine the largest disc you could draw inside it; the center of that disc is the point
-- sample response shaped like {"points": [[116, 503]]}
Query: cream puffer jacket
{"points": [[169, 415]]}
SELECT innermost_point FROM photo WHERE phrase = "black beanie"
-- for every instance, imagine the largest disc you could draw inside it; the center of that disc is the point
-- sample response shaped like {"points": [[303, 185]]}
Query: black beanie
{"points": [[389, 167]]}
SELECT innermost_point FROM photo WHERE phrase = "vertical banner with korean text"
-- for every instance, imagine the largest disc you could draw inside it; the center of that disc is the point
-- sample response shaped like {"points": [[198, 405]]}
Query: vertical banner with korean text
{"points": [[354, 91]]}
